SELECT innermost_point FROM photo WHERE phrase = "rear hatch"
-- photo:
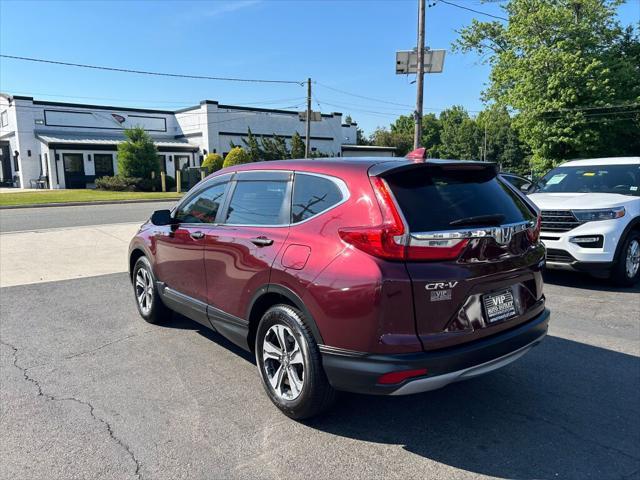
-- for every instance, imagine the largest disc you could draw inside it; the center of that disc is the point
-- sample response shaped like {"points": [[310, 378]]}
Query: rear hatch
{"points": [[472, 250]]}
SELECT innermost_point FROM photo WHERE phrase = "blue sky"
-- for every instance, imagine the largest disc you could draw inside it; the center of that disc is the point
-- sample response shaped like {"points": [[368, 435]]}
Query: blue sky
{"points": [[348, 45]]}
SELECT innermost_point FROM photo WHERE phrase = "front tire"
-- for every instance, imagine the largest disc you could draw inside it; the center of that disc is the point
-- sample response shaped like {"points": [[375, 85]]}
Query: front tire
{"points": [[290, 364], [626, 271], [148, 301]]}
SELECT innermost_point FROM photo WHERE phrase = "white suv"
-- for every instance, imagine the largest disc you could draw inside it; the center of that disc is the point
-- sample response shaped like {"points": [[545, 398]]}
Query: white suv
{"points": [[591, 217]]}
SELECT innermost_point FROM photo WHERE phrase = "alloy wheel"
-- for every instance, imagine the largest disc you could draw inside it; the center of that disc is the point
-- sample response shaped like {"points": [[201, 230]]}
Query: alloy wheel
{"points": [[283, 362], [633, 258], [144, 290]]}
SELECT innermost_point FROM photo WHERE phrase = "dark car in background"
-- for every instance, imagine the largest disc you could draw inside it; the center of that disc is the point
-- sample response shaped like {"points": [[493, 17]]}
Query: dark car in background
{"points": [[523, 184], [376, 275]]}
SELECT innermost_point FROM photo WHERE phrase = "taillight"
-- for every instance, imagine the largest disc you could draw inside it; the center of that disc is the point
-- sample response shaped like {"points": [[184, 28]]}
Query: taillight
{"points": [[383, 241], [533, 233], [391, 240]]}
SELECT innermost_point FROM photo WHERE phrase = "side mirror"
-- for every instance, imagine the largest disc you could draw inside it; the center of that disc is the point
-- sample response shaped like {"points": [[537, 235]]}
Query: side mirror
{"points": [[526, 188], [162, 217]]}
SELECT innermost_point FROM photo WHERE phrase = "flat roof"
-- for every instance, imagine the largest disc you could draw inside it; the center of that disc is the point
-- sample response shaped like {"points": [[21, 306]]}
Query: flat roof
{"points": [[87, 139]]}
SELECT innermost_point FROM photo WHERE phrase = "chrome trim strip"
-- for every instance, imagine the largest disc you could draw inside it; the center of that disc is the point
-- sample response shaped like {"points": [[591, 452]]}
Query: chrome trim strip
{"points": [[341, 351], [502, 234], [439, 381]]}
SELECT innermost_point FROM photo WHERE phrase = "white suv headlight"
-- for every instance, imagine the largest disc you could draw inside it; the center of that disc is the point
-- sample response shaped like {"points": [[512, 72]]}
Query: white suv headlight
{"points": [[600, 214]]}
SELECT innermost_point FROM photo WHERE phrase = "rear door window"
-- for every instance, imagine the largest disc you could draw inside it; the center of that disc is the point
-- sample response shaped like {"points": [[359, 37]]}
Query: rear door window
{"points": [[312, 195], [259, 202], [434, 197]]}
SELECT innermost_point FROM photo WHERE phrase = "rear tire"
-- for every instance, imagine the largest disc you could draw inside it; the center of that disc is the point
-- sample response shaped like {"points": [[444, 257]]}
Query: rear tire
{"points": [[148, 301], [290, 364], [626, 271]]}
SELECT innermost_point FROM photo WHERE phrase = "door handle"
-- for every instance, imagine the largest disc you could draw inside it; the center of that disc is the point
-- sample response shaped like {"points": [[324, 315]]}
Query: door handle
{"points": [[196, 235], [262, 241]]}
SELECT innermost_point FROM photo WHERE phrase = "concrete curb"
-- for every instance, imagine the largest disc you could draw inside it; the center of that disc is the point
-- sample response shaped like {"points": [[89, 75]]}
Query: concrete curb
{"points": [[79, 204]]}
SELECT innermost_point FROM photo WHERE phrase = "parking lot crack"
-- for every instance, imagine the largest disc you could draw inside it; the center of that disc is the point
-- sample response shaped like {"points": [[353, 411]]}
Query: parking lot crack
{"points": [[110, 431], [86, 352], [92, 412]]}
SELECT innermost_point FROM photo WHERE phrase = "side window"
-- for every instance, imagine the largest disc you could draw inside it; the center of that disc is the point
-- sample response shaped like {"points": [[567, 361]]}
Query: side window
{"points": [[203, 207], [259, 202], [312, 195]]}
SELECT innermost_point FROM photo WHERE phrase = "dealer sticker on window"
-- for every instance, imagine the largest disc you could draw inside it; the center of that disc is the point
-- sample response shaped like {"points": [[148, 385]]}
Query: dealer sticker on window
{"points": [[499, 306]]}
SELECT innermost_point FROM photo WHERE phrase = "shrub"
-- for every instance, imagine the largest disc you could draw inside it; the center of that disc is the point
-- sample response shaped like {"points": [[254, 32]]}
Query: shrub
{"points": [[169, 182], [212, 162], [117, 183], [137, 156], [236, 156]]}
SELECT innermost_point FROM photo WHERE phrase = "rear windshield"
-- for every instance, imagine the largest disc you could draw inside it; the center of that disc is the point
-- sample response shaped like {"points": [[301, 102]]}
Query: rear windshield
{"points": [[432, 198]]}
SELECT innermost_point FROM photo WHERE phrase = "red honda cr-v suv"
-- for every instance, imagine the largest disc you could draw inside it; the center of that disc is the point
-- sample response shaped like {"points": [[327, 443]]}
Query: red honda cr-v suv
{"points": [[375, 275]]}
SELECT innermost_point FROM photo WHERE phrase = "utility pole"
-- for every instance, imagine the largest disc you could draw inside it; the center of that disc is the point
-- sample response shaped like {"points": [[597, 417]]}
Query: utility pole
{"points": [[307, 143], [484, 149], [420, 76]]}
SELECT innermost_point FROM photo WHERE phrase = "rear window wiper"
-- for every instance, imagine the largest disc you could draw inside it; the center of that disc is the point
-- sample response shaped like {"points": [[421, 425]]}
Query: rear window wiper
{"points": [[495, 219]]}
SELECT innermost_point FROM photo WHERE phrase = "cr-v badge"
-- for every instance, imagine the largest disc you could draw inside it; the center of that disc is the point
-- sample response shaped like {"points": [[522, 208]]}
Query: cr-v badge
{"points": [[440, 290]]}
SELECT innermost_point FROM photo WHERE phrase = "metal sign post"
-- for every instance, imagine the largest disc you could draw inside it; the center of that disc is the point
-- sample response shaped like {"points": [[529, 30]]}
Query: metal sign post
{"points": [[420, 60]]}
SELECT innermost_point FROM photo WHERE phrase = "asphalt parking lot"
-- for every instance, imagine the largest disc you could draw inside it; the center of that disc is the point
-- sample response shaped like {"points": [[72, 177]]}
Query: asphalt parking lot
{"points": [[90, 391]]}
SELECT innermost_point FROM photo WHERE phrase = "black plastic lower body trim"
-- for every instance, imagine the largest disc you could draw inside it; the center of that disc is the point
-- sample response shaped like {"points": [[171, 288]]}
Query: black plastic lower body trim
{"points": [[359, 372]]}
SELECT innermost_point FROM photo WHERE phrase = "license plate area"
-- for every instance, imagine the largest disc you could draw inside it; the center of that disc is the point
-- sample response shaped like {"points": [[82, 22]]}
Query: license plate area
{"points": [[499, 306]]}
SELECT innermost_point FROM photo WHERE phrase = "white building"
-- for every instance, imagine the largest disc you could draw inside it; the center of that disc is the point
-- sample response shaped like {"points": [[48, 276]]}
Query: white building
{"points": [[68, 145]]}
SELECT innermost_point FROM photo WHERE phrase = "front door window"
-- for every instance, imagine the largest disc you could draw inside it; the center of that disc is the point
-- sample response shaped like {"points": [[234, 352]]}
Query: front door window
{"points": [[74, 170], [182, 164]]}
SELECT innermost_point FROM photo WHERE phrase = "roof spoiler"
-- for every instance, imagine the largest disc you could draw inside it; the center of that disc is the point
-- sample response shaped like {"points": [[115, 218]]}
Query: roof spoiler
{"points": [[385, 168]]}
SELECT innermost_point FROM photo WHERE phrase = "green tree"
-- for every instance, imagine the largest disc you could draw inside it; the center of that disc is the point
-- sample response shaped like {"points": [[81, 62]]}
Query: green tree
{"points": [[274, 148], [137, 155], [297, 146], [212, 162], [431, 129], [503, 142], [361, 138], [402, 141], [252, 147], [236, 156], [570, 71], [459, 135]]}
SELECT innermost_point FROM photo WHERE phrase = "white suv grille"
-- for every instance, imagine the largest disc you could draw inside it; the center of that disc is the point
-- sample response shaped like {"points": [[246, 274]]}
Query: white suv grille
{"points": [[559, 221]]}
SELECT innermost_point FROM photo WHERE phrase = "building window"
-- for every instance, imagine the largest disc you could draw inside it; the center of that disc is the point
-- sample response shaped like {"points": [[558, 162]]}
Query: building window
{"points": [[103, 163], [4, 118]]}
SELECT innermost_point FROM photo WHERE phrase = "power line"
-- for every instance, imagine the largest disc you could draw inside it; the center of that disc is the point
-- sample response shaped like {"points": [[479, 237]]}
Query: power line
{"points": [[145, 72], [373, 112], [364, 97], [473, 10]]}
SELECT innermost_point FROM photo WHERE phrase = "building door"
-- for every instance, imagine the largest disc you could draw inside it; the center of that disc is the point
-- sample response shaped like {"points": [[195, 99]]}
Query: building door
{"points": [[182, 164], [104, 164], [74, 176], [162, 160], [5, 163]]}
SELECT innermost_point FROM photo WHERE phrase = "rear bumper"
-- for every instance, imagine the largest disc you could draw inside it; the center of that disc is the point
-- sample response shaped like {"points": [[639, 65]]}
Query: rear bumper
{"points": [[359, 372]]}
